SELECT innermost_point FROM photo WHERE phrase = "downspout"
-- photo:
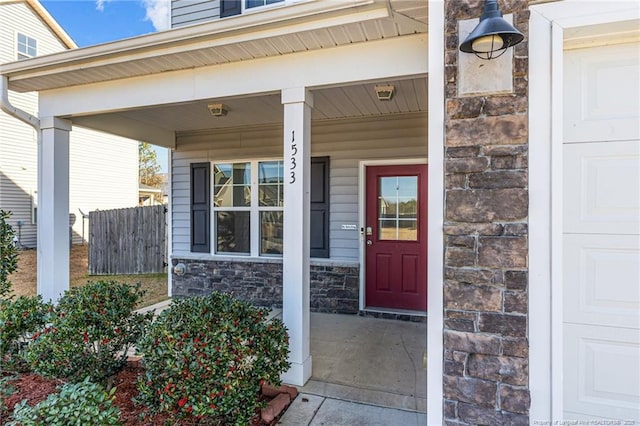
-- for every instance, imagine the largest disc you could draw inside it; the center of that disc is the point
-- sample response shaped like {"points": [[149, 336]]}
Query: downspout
{"points": [[6, 106]]}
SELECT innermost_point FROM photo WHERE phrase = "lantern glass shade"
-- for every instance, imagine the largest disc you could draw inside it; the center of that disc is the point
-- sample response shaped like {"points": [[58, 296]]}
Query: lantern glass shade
{"points": [[493, 35], [487, 43]]}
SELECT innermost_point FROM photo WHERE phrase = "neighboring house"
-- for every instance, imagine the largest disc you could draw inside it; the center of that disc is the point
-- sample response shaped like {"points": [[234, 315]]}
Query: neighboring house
{"points": [[295, 180], [103, 168], [149, 196]]}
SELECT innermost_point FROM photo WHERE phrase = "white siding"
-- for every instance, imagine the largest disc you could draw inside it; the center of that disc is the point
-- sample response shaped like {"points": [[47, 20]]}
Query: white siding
{"points": [[103, 168], [187, 12], [103, 174], [18, 141], [19, 17], [346, 142]]}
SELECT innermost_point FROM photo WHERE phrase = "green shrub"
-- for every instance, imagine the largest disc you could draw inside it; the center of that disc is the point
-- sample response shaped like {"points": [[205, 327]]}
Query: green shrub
{"points": [[89, 333], [8, 254], [20, 319], [6, 390], [208, 356], [77, 404]]}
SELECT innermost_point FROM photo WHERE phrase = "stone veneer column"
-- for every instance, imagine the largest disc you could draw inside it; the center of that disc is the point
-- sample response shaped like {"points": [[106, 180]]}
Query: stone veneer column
{"points": [[486, 374]]}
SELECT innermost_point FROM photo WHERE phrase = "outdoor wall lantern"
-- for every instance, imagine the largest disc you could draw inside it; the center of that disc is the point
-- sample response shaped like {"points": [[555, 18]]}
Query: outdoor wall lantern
{"points": [[493, 35]]}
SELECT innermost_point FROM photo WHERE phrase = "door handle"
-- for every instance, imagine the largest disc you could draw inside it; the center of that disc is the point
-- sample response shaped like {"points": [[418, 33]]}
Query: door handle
{"points": [[369, 242]]}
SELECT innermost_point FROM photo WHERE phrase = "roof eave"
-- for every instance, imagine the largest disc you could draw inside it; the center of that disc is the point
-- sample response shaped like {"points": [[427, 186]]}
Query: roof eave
{"points": [[156, 44]]}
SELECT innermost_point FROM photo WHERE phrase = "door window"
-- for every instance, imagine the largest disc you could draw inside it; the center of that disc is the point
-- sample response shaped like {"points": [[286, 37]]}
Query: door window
{"points": [[397, 208]]}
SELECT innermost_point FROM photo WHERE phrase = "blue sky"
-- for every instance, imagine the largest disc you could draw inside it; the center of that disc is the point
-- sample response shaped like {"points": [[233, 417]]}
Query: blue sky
{"points": [[91, 22]]}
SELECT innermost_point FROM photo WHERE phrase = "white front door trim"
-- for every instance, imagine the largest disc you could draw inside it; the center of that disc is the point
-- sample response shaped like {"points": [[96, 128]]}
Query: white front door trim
{"points": [[362, 187], [546, 46]]}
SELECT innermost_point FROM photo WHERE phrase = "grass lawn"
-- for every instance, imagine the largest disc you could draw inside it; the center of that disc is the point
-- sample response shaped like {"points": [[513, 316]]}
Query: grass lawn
{"points": [[24, 279]]}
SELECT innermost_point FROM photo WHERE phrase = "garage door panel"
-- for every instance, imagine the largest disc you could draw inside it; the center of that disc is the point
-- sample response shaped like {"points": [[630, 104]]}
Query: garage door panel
{"points": [[602, 83], [602, 280], [602, 373], [605, 187]]}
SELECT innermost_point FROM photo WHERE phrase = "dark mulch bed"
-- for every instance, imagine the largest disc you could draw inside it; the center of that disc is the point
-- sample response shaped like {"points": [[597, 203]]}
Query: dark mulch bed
{"points": [[35, 388]]}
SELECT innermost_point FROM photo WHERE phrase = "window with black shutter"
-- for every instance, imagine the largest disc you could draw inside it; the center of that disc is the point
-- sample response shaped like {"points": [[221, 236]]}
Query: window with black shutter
{"points": [[233, 207]]}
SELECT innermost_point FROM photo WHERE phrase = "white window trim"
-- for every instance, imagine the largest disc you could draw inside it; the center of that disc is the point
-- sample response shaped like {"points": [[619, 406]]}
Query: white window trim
{"points": [[254, 211]]}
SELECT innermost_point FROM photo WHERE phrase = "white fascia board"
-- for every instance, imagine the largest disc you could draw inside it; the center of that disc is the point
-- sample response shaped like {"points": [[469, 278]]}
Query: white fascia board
{"points": [[399, 57], [287, 20]]}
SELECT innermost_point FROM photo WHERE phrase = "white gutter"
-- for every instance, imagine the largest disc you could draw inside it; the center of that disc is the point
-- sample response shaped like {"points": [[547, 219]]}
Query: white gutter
{"points": [[6, 106]]}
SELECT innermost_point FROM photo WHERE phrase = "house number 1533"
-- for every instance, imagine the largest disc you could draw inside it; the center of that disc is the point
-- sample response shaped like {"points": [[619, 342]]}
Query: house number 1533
{"points": [[294, 152]]}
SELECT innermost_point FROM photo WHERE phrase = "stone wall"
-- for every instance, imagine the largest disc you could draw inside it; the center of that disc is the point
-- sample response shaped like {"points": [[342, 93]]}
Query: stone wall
{"points": [[486, 372], [333, 289]]}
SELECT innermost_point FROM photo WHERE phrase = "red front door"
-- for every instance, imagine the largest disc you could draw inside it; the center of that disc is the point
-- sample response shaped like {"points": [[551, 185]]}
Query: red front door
{"points": [[396, 237]]}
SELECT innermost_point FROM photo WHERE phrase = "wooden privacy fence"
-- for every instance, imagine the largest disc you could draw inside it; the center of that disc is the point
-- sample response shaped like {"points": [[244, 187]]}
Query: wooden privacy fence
{"points": [[127, 241]]}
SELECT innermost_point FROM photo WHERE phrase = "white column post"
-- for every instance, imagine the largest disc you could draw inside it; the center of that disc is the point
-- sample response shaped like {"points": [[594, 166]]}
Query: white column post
{"points": [[53, 208], [295, 270]]}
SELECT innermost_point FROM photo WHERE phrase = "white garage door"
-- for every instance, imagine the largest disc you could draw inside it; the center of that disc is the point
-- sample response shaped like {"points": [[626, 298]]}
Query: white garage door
{"points": [[601, 226]]}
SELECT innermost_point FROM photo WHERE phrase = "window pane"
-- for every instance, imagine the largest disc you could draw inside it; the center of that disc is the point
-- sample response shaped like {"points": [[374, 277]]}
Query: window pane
{"points": [[271, 232], [254, 3], [408, 186], [408, 230], [387, 208], [232, 185], [270, 172], [407, 208], [387, 229], [271, 195], [388, 187], [233, 231], [271, 188], [397, 208], [26, 46]]}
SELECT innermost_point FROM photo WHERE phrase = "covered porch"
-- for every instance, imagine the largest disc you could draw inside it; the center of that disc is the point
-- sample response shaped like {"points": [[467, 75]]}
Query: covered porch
{"points": [[284, 86]]}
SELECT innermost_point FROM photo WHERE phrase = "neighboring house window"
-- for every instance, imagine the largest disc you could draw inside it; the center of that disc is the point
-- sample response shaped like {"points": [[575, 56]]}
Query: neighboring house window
{"points": [[240, 201], [26, 47], [249, 4], [235, 7]]}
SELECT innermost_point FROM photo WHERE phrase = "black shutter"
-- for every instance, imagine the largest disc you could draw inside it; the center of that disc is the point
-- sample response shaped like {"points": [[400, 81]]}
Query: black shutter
{"points": [[319, 207], [229, 8], [200, 207]]}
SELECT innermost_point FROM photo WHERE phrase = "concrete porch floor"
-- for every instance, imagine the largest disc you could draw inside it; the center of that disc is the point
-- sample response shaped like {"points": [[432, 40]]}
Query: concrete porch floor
{"points": [[366, 371]]}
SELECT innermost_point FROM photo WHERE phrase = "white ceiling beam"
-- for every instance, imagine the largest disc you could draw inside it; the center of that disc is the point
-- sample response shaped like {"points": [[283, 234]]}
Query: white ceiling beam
{"points": [[398, 57], [125, 127]]}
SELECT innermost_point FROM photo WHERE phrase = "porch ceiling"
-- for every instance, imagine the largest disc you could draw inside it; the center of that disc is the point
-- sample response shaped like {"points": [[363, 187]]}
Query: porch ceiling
{"points": [[329, 103], [307, 26]]}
